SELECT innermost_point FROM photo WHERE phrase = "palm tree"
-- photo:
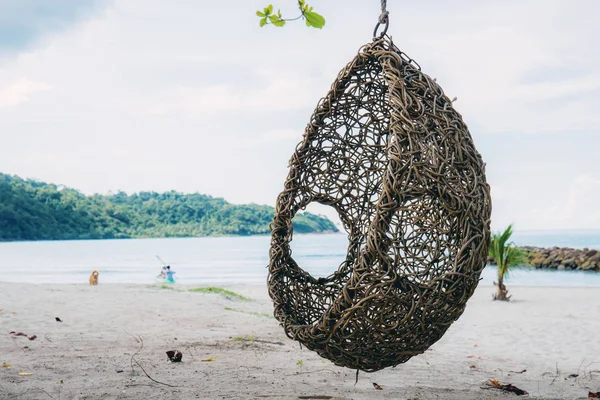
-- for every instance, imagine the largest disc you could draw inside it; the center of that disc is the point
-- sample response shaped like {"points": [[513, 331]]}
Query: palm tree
{"points": [[506, 255]]}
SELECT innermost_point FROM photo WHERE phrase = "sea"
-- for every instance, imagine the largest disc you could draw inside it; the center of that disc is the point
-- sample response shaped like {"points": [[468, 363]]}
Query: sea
{"points": [[237, 260]]}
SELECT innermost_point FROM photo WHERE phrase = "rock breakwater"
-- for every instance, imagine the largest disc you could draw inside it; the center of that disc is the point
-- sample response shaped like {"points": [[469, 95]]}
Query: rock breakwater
{"points": [[561, 258]]}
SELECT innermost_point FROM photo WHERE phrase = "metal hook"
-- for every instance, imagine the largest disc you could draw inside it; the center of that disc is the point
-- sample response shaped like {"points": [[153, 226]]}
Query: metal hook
{"points": [[386, 23]]}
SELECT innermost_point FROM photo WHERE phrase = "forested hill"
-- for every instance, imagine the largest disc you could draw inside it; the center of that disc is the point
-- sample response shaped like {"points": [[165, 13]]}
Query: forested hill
{"points": [[31, 210]]}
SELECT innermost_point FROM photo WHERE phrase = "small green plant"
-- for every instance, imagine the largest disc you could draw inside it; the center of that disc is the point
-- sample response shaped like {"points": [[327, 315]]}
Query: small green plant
{"points": [[299, 363], [507, 256], [262, 314], [306, 12], [223, 292], [163, 287], [249, 338]]}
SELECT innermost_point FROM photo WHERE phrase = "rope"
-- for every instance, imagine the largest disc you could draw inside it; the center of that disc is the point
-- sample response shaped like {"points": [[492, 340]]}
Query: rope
{"points": [[383, 18]]}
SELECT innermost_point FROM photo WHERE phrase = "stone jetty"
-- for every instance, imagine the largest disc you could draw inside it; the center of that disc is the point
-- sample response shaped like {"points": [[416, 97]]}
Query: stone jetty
{"points": [[561, 258]]}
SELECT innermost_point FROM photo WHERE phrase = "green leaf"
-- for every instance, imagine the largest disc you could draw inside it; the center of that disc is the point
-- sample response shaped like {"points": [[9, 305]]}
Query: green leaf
{"points": [[258, 13], [270, 9], [315, 20], [277, 21], [263, 21], [303, 6]]}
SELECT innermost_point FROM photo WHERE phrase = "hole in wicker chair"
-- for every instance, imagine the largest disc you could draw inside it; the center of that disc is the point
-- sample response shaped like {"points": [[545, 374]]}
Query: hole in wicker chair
{"points": [[319, 254]]}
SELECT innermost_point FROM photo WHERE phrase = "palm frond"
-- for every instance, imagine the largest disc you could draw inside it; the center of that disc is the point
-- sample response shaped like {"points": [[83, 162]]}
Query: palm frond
{"points": [[507, 255]]}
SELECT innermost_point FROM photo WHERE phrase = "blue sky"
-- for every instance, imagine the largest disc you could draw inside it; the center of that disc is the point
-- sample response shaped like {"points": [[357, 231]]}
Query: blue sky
{"points": [[194, 96]]}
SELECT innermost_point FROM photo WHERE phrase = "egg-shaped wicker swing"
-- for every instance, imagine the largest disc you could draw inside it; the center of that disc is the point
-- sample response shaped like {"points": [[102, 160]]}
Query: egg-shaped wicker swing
{"points": [[387, 150]]}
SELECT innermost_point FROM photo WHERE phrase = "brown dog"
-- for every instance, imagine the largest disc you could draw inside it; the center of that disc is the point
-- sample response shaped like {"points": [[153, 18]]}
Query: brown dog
{"points": [[94, 278]]}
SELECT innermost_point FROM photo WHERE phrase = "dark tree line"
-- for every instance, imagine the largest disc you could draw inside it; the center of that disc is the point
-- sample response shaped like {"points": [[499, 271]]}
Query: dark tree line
{"points": [[32, 210]]}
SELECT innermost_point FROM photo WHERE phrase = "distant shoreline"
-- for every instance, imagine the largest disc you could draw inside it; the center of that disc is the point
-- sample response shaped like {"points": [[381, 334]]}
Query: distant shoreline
{"points": [[165, 237], [32, 211]]}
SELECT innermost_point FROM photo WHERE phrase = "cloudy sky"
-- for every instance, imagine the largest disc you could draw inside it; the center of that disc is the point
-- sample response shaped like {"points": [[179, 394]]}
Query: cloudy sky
{"points": [[194, 96]]}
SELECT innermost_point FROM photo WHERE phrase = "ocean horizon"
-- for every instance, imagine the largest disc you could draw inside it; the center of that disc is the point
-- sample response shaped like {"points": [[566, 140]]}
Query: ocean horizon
{"points": [[238, 259]]}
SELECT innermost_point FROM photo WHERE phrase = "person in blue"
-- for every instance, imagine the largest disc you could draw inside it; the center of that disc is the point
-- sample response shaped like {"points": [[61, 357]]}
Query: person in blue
{"points": [[170, 274]]}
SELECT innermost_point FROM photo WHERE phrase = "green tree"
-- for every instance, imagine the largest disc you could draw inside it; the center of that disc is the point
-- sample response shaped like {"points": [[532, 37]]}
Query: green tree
{"points": [[506, 255], [31, 210]]}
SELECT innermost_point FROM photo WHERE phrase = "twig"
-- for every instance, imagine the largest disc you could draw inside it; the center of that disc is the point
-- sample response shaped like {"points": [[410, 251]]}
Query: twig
{"points": [[579, 377], [140, 365], [138, 384], [586, 374], [589, 365], [151, 378], [556, 375], [311, 372], [136, 353], [268, 342], [519, 372], [47, 393], [133, 336], [579, 369], [46, 337], [18, 395]]}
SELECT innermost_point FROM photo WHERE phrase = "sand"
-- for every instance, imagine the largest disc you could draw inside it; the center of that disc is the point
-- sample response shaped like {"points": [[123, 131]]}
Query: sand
{"points": [[549, 333]]}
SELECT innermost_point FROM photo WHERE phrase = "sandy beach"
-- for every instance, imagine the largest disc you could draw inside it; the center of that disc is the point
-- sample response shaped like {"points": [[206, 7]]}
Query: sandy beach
{"points": [[543, 342]]}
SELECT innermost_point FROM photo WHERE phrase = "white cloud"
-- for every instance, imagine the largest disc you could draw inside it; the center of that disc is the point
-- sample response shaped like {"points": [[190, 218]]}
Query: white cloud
{"points": [[582, 201], [277, 135], [498, 192], [580, 85], [20, 91], [278, 92], [144, 97], [576, 208], [485, 58]]}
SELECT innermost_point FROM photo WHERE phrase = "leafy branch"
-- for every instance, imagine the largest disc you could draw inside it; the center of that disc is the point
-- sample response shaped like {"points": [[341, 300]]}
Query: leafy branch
{"points": [[306, 12]]}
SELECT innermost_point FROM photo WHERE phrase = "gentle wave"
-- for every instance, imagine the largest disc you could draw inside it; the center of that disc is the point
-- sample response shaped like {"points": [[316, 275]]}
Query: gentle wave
{"points": [[232, 260]]}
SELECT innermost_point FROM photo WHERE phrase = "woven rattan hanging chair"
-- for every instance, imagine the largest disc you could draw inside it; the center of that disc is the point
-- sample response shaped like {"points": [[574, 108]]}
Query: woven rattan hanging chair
{"points": [[387, 150]]}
